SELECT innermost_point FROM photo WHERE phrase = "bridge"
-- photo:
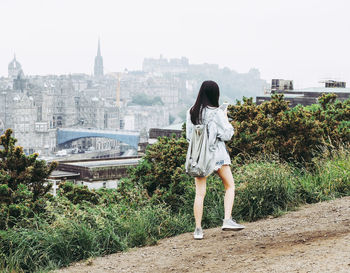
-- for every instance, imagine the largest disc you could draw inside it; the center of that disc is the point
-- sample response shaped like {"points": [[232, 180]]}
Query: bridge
{"points": [[126, 136]]}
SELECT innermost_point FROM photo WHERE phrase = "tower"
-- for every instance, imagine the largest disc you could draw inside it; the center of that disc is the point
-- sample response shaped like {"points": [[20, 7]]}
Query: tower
{"points": [[14, 68], [98, 68]]}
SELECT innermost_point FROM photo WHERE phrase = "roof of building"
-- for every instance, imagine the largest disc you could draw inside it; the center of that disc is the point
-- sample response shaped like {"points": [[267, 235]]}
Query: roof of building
{"points": [[286, 96], [177, 126], [60, 174], [14, 64], [104, 163], [324, 89]]}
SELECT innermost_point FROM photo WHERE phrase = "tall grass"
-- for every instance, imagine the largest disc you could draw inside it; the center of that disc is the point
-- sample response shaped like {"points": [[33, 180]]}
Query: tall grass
{"points": [[70, 232], [330, 179], [76, 237]]}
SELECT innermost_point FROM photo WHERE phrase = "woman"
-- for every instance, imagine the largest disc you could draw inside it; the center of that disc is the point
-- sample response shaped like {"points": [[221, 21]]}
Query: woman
{"points": [[219, 128]]}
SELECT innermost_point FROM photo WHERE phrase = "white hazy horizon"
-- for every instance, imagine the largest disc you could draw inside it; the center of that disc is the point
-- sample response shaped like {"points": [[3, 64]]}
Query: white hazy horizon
{"points": [[306, 41]]}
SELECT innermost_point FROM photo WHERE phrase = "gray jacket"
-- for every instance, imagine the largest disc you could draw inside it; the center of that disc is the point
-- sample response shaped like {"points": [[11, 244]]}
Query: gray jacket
{"points": [[219, 128]]}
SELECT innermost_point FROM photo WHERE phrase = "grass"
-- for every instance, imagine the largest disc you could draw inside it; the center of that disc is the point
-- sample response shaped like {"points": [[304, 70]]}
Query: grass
{"points": [[70, 232]]}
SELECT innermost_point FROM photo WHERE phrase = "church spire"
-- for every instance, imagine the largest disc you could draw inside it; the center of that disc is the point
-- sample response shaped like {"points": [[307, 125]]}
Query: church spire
{"points": [[98, 48], [98, 68]]}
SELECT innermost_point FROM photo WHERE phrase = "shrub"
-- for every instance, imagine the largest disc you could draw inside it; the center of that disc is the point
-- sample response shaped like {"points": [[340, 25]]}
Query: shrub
{"points": [[334, 118], [17, 168], [274, 128], [22, 182], [78, 193], [161, 171]]}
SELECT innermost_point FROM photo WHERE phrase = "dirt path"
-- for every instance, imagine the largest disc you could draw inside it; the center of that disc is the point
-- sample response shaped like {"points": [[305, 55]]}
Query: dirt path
{"points": [[315, 238]]}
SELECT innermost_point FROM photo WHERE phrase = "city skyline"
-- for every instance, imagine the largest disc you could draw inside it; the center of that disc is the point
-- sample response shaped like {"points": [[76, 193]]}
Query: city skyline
{"points": [[305, 42]]}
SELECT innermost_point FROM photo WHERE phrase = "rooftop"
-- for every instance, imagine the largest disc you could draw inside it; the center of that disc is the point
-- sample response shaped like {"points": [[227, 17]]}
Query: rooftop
{"points": [[104, 163], [58, 174], [285, 95], [324, 89], [177, 126]]}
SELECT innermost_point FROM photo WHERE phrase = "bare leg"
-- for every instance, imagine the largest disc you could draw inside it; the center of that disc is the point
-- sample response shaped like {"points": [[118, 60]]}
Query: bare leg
{"points": [[201, 188], [226, 176]]}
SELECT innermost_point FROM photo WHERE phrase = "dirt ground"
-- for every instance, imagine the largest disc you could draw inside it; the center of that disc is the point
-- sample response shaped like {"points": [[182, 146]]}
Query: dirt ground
{"points": [[315, 238]]}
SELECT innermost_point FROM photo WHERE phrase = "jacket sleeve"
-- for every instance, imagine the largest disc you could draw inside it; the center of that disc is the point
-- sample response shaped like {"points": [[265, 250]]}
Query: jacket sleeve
{"points": [[212, 135], [189, 126], [224, 127]]}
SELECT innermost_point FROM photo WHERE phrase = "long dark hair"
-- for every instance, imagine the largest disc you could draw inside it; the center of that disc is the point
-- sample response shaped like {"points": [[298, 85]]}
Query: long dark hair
{"points": [[208, 95]]}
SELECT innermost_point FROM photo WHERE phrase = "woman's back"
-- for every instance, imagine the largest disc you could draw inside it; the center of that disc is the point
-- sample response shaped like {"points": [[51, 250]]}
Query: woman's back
{"points": [[219, 124], [219, 130]]}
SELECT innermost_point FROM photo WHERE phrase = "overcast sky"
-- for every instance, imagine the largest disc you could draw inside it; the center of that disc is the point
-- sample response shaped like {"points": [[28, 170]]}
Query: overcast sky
{"points": [[303, 40]]}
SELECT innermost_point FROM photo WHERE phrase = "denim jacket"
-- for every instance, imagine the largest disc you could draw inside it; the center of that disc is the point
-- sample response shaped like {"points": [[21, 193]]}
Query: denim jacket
{"points": [[219, 130]]}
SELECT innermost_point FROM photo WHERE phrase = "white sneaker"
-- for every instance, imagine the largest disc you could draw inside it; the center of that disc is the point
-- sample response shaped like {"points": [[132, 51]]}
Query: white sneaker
{"points": [[230, 224], [198, 234]]}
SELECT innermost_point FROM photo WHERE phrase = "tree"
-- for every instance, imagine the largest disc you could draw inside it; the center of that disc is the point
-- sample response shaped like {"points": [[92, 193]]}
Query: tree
{"points": [[17, 168], [22, 181], [143, 99]]}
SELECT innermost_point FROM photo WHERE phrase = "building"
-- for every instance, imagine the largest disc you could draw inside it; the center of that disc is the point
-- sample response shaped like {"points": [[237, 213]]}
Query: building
{"points": [[14, 68], [93, 173], [335, 84], [169, 89], [36, 106], [306, 96], [279, 85], [138, 117], [99, 169], [16, 75], [32, 134], [98, 68], [163, 65]]}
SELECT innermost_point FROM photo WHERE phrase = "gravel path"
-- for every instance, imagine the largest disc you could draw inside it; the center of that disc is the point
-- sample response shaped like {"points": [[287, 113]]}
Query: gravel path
{"points": [[315, 238]]}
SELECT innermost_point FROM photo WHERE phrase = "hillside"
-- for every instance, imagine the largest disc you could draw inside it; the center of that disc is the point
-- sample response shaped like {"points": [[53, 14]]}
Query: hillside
{"points": [[315, 238]]}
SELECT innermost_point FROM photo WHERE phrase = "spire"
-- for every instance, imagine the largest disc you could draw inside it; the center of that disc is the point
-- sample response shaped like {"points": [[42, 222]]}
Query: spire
{"points": [[14, 56], [98, 48], [98, 68]]}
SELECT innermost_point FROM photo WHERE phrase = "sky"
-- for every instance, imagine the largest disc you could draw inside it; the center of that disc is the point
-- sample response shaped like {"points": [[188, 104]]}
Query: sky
{"points": [[303, 40]]}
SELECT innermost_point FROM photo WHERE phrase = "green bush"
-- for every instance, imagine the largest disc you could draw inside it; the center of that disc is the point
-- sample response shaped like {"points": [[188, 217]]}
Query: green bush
{"points": [[23, 184], [294, 134], [161, 171], [334, 118], [78, 194], [17, 168]]}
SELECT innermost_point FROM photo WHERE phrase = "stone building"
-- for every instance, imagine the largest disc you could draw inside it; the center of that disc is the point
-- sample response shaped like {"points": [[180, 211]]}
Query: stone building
{"points": [[170, 89], [16, 76], [32, 134], [163, 65], [14, 68], [138, 117], [35, 110]]}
